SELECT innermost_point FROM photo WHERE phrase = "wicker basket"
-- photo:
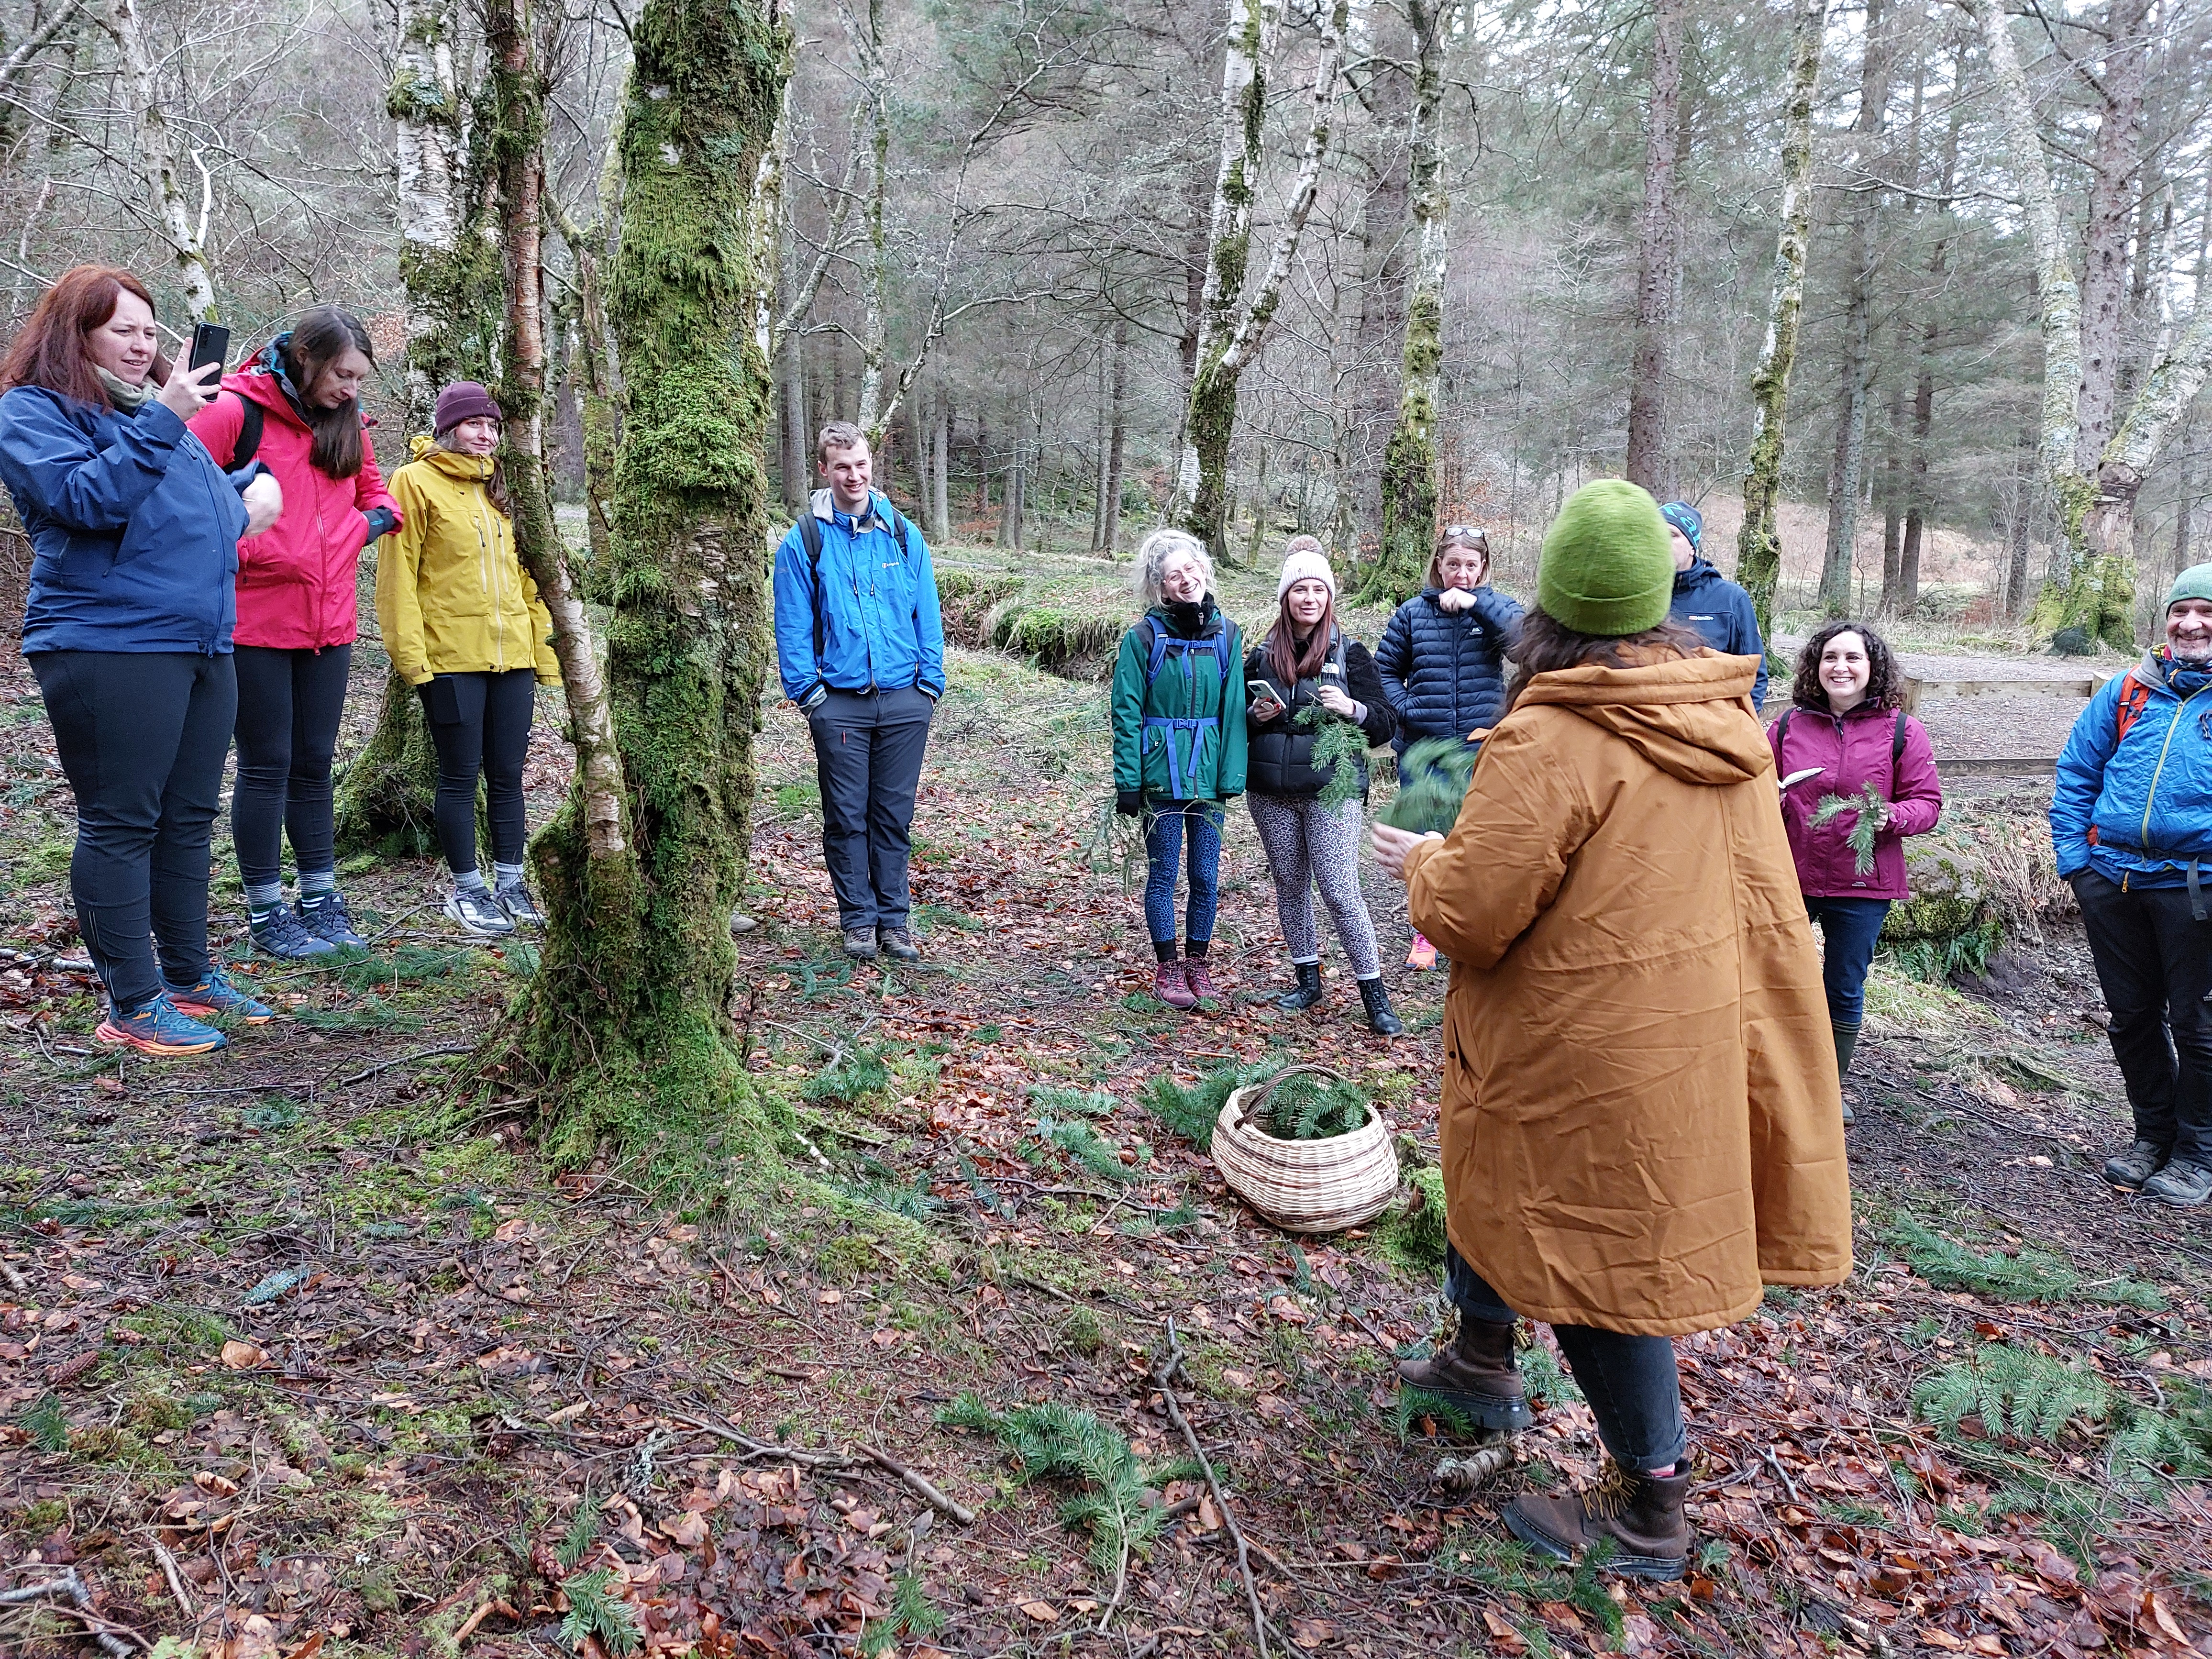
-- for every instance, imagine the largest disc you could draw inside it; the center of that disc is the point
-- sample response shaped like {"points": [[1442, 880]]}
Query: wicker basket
{"points": [[1304, 1186]]}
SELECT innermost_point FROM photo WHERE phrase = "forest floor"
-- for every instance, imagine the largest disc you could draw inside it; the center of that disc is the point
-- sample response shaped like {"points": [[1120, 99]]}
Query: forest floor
{"points": [[295, 1357]]}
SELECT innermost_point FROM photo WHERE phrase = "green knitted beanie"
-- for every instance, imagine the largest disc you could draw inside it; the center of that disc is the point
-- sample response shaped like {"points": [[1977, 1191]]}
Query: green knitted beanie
{"points": [[2194, 583], [1607, 567]]}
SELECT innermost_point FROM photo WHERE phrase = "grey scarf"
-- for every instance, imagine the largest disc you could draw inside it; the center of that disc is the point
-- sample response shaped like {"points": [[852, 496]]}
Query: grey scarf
{"points": [[128, 398]]}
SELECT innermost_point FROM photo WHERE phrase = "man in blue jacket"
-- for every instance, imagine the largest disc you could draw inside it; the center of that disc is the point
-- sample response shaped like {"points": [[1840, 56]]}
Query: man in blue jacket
{"points": [[1708, 601], [2131, 822], [861, 651]]}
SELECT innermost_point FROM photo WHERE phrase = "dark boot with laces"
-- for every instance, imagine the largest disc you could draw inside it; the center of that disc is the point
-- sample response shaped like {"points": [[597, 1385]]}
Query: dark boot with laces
{"points": [[1307, 990], [1643, 1515], [324, 914], [1476, 1376], [2130, 1169], [1380, 1019]]}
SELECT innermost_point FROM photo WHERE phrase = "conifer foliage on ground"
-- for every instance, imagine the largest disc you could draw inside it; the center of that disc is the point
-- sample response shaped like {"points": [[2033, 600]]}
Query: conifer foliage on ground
{"points": [[305, 1350]]}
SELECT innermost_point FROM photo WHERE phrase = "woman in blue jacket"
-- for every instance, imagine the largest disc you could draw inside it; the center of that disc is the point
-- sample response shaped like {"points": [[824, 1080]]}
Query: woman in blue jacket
{"points": [[1443, 657], [134, 534]]}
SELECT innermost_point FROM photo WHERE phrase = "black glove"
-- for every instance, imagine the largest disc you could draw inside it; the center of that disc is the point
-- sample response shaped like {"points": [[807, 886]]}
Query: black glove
{"points": [[1129, 802], [382, 521]]}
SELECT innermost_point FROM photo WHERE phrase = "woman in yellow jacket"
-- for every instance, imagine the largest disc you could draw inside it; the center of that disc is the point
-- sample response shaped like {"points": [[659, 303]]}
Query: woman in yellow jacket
{"points": [[463, 625]]}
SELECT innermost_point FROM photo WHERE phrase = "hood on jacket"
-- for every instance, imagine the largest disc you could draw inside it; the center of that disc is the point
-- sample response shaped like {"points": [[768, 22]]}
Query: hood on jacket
{"points": [[1687, 716], [450, 462], [1700, 574], [265, 377]]}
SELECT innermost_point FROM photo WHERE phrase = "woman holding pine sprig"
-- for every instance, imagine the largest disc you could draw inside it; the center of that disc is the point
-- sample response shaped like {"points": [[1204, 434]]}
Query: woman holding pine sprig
{"points": [[1865, 779], [1318, 707]]}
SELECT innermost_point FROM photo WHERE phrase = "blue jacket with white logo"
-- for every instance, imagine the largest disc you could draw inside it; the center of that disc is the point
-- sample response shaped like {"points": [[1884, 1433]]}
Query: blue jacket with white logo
{"points": [[875, 597], [1719, 609], [134, 529], [2138, 809]]}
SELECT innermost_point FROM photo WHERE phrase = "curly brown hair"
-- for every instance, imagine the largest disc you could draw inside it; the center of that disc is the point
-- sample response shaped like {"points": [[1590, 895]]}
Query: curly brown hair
{"points": [[1885, 679], [1545, 645]]}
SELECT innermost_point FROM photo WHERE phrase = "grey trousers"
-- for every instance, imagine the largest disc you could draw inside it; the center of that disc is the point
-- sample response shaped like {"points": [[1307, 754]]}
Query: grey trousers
{"points": [[867, 758]]}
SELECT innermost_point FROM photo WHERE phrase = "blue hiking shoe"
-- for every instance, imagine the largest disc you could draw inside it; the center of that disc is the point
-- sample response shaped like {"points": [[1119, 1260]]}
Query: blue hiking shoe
{"points": [[324, 914], [159, 1029], [278, 932], [216, 996]]}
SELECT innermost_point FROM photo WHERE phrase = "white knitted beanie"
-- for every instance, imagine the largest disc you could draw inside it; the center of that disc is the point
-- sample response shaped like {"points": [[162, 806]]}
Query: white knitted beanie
{"points": [[1302, 566]]}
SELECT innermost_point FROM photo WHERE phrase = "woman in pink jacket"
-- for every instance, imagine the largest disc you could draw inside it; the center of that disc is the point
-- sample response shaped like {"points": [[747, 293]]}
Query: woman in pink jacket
{"points": [[1845, 733], [296, 407]]}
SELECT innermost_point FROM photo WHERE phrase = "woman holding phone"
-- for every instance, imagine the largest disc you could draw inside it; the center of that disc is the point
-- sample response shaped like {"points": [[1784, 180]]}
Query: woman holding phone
{"points": [[297, 409], [134, 534], [1306, 674]]}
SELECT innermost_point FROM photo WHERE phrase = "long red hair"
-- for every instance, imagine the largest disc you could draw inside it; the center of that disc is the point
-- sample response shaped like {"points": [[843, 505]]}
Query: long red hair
{"points": [[50, 350]]}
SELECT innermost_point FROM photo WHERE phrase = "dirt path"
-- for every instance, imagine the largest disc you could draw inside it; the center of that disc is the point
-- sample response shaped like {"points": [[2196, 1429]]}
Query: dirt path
{"points": [[302, 1348]]}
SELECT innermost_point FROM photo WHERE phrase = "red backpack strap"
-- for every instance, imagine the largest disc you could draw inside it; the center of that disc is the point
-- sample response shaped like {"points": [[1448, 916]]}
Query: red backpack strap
{"points": [[2135, 696]]}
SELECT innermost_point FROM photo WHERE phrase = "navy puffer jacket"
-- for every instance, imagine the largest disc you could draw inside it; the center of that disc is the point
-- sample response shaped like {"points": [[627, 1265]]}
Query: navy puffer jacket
{"points": [[1445, 674]]}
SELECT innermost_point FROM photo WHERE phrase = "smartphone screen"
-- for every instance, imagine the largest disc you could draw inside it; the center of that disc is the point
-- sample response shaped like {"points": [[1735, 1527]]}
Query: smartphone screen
{"points": [[210, 344]]}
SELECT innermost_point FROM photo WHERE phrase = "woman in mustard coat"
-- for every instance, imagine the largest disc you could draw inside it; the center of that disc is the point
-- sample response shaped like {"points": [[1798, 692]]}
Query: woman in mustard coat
{"points": [[1640, 1129]]}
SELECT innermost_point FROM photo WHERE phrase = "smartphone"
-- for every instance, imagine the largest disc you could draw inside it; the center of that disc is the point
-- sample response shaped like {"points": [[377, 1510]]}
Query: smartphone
{"points": [[1260, 692], [210, 344]]}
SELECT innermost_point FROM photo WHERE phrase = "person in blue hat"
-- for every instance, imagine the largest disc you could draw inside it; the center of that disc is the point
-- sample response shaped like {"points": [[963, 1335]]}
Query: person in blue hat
{"points": [[1708, 601]]}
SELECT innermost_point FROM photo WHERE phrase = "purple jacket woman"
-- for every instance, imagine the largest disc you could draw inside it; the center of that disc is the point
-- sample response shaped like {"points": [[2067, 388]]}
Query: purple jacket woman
{"points": [[1853, 751], [1846, 728]]}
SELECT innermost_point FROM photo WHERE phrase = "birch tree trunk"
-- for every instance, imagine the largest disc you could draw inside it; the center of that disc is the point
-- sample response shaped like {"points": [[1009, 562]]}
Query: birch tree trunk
{"points": [[1656, 247], [1232, 328], [1916, 501], [185, 230], [1409, 465], [1116, 436], [628, 1022], [1373, 374], [2094, 501], [518, 144], [940, 514], [449, 264], [1846, 476], [1758, 545]]}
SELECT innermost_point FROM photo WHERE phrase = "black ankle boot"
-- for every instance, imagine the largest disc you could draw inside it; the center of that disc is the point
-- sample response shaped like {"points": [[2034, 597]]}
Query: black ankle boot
{"points": [[1380, 1019], [1308, 988]]}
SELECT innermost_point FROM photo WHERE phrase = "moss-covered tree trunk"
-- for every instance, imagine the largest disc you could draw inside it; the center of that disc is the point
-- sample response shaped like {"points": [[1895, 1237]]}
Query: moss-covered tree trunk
{"points": [[450, 265], [1758, 545], [1409, 463], [628, 1022]]}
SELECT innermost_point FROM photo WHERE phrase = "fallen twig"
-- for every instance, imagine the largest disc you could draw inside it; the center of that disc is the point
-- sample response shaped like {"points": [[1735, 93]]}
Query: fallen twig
{"points": [[10, 1272], [1466, 1473], [385, 1065], [1164, 1378], [920, 1485], [69, 1596], [176, 1579]]}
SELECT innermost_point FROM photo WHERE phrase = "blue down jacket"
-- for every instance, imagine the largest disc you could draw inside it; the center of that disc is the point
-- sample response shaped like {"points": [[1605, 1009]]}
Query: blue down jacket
{"points": [[1445, 674], [134, 529], [2138, 808]]}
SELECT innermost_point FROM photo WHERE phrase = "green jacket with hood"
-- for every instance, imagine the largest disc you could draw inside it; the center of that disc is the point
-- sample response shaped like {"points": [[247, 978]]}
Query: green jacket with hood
{"points": [[1179, 706]]}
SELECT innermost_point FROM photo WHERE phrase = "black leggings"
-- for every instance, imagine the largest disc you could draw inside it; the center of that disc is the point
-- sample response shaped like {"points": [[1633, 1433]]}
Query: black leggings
{"points": [[481, 726], [142, 736], [289, 703]]}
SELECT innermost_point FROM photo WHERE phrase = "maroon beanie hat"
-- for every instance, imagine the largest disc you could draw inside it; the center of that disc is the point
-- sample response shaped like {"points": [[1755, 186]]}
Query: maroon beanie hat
{"points": [[464, 400]]}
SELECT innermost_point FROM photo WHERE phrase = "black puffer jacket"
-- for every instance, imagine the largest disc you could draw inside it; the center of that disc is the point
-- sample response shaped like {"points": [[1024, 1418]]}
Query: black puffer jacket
{"points": [[1281, 750], [1445, 674]]}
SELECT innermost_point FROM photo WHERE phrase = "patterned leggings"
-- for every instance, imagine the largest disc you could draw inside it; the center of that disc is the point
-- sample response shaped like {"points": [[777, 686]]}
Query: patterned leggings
{"points": [[1307, 842], [1164, 824]]}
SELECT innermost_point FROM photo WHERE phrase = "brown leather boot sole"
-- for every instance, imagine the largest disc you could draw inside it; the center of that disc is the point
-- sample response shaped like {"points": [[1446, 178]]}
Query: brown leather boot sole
{"points": [[1484, 1407], [1563, 1529]]}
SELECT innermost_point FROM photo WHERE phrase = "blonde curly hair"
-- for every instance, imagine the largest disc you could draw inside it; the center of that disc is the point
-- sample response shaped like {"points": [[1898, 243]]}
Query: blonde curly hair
{"points": [[1153, 555]]}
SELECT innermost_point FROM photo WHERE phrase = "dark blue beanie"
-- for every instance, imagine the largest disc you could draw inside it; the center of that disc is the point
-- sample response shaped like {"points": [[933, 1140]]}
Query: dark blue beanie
{"points": [[1686, 519]]}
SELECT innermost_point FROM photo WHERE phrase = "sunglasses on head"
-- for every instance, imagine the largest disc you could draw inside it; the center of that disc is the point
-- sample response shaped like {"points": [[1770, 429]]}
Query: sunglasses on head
{"points": [[1467, 534]]}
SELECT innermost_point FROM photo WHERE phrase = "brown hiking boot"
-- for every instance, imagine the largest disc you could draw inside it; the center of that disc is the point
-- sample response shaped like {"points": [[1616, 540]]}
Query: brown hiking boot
{"points": [[1476, 1376], [1641, 1514], [1200, 982], [1171, 986]]}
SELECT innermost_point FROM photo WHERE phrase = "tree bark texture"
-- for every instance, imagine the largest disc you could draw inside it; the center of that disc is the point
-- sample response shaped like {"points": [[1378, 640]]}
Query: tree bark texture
{"points": [[1917, 500], [1759, 543], [1858, 365], [2094, 501], [167, 197], [1379, 339], [628, 1020], [1658, 250], [1409, 464], [1117, 439], [1232, 328]]}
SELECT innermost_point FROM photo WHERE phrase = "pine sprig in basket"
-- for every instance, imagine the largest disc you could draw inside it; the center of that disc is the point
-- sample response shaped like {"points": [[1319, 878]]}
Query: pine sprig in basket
{"points": [[1869, 808]]}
